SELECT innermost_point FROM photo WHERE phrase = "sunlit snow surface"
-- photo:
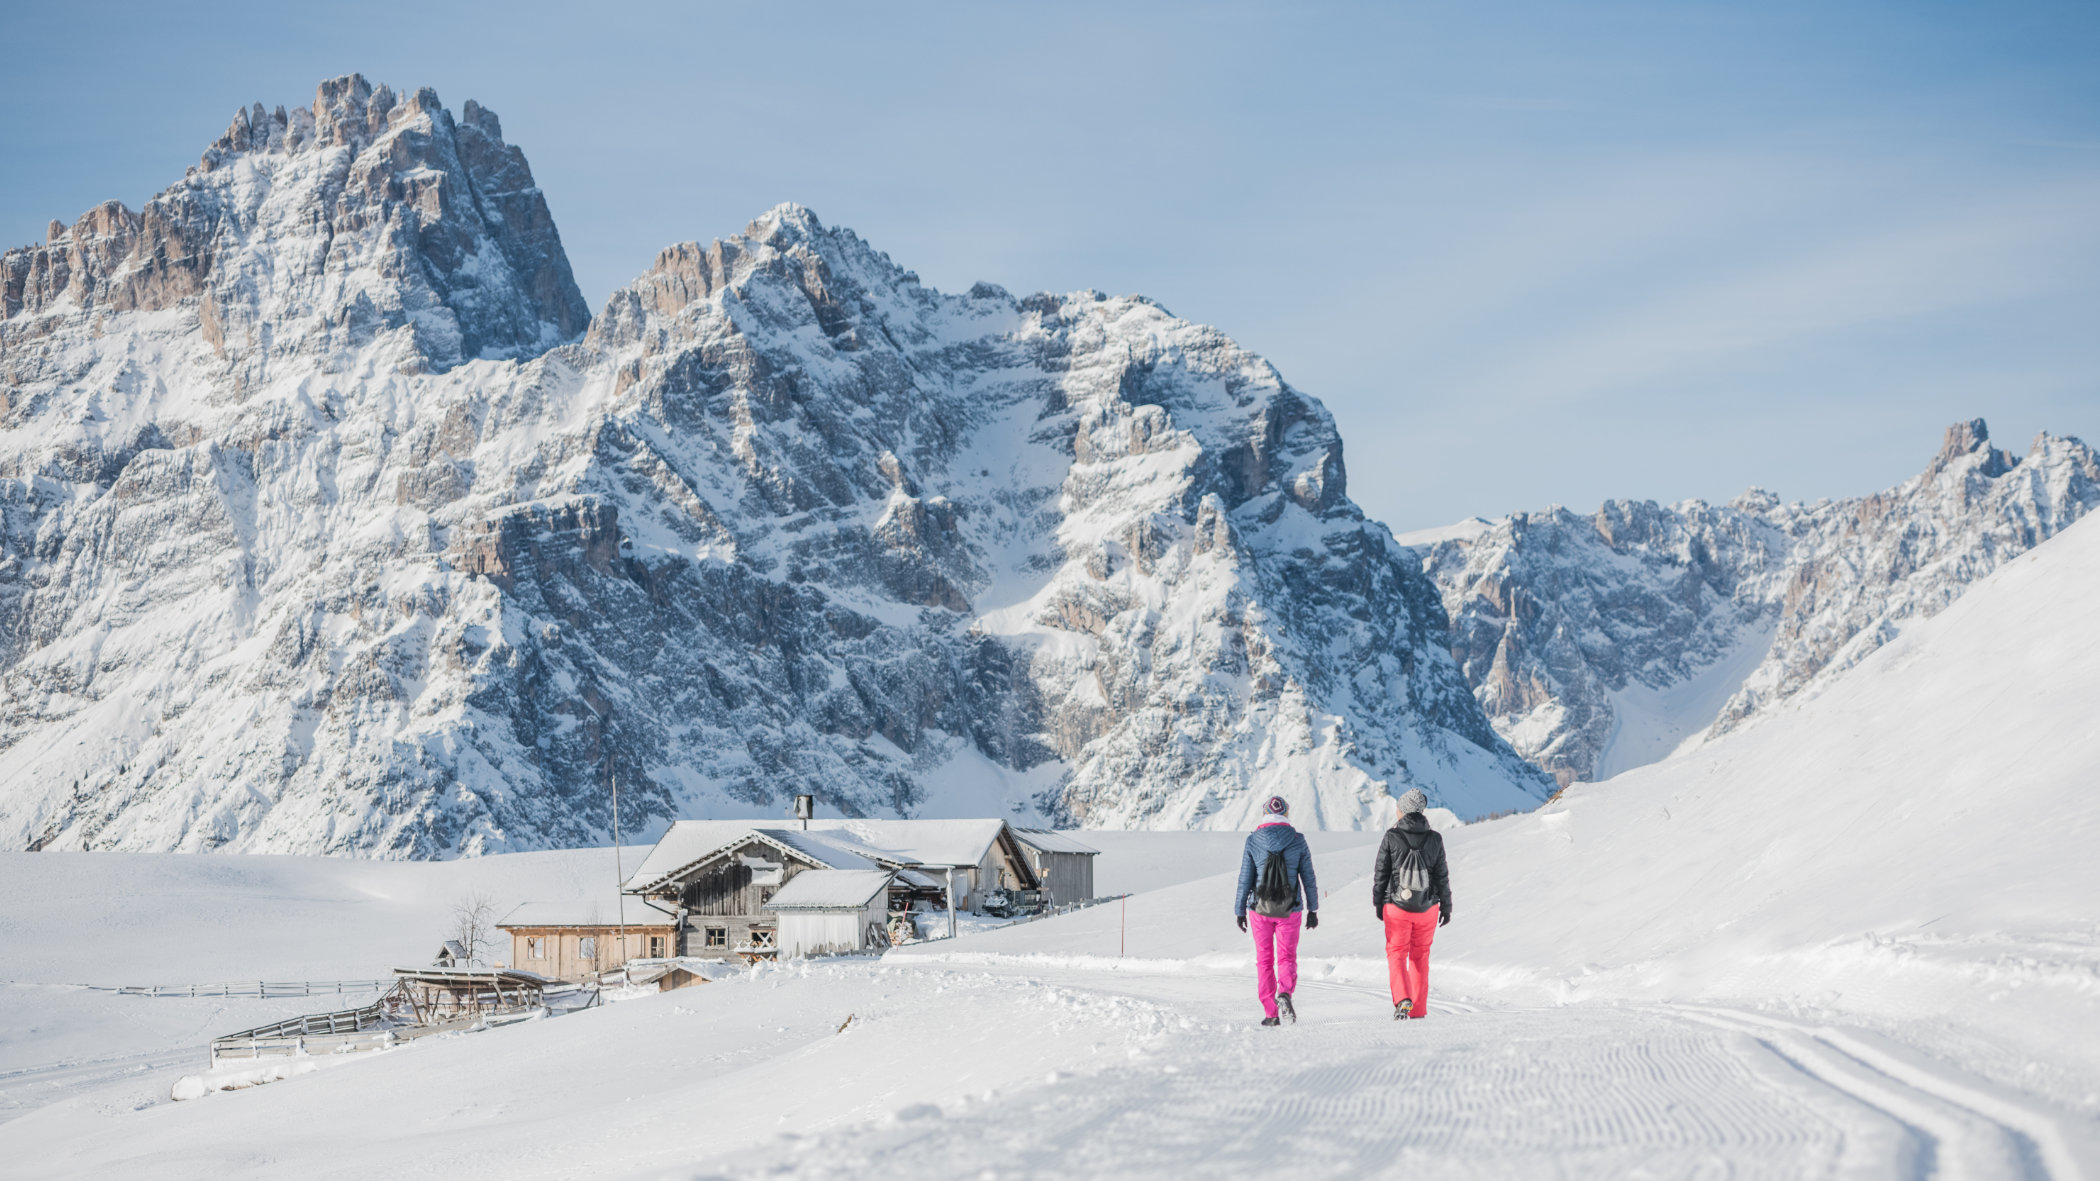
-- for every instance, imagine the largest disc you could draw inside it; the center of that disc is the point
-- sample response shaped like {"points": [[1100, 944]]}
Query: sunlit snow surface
{"points": [[1855, 939]]}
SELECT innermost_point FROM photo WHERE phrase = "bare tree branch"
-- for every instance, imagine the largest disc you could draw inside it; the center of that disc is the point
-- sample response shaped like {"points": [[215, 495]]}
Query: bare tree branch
{"points": [[472, 916]]}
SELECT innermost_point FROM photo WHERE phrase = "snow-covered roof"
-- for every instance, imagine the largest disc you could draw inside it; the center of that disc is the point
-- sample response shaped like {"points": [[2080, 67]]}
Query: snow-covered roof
{"points": [[833, 843], [683, 847], [688, 841], [830, 889], [1052, 842], [919, 842], [437, 975], [832, 850], [586, 912]]}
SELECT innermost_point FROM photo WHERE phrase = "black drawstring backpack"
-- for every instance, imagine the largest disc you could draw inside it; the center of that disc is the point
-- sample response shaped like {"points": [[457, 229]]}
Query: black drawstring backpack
{"points": [[1274, 892]]}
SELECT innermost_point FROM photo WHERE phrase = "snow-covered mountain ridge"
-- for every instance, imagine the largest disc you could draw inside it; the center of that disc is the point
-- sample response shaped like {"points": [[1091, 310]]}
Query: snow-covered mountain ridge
{"points": [[1603, 642], [330, 522]]}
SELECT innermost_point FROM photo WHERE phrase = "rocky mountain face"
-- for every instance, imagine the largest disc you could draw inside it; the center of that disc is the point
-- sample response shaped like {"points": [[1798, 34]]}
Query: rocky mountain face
{"points": [[331, 521], [1598, 643]]}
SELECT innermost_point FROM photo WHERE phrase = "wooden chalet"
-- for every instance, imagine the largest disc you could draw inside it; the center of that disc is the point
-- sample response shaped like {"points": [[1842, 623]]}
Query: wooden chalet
{"points": [[579, 940], [721, 879]]}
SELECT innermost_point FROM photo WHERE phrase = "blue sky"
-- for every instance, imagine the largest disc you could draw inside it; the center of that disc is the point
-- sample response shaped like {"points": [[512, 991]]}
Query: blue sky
{"points": [[1527, 253]]}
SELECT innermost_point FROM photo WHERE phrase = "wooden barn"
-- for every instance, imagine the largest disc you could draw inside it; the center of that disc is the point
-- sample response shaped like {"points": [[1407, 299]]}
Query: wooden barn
{"points": [[720, 876], [1063, 865], [578, 940]]}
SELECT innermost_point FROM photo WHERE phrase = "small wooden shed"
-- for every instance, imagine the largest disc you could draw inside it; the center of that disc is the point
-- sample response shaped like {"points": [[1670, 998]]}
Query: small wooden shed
{"points": [[833, 912], [1064, 865]]}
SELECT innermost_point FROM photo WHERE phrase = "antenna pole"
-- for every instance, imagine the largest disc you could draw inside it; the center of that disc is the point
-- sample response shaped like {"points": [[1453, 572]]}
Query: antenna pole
{"points": [[620, 872]]}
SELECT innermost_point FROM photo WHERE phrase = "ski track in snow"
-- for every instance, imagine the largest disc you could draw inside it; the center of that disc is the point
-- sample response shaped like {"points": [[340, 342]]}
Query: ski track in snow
{"points": [[1956, 1125]]}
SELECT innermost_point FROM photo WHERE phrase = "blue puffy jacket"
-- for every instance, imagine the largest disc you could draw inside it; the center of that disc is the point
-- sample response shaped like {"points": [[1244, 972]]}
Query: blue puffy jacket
{"points": [[1277, 836]]}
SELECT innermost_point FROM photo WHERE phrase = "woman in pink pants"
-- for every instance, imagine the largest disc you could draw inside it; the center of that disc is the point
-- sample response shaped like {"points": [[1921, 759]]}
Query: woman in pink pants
{"points": [[1276, 880], [1411, 887]]}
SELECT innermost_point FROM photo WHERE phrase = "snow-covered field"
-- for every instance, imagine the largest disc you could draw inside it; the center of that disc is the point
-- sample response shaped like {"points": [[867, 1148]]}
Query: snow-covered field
{"points": [[1856, 939]]}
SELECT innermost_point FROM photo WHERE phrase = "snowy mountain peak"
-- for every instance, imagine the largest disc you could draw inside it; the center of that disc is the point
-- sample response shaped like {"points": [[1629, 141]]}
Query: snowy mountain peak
{"points": [[1604, 642], [1968, 449], [309, 233], [329, 546]]}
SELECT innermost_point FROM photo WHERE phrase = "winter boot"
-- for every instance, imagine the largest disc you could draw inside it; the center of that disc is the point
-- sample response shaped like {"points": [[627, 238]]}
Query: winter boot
{"points": [[1284, 1005], [1404, 1009], [1270, 1021]]}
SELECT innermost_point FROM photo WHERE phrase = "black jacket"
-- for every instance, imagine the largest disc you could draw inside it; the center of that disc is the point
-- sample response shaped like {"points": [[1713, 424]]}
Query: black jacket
{"points": [[1412, 831]]}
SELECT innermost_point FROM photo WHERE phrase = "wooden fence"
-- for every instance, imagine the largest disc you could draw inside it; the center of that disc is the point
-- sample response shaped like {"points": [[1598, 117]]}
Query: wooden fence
{"points": [[257, 988]]}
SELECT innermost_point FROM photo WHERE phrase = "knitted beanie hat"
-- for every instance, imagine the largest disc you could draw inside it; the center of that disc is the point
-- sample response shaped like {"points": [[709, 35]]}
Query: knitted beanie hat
{"points": [[1413, 801], [1277, 806]]}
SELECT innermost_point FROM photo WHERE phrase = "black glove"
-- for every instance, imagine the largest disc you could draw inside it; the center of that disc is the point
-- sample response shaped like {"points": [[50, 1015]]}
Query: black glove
{"points": [[1379, 911], [1243, 924], [1443, 919], [1312, 919]]}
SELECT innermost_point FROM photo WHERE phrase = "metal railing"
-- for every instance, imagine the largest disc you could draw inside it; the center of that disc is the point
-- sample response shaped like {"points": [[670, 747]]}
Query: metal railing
{"points": [[1047, 913], [1067, 908]]}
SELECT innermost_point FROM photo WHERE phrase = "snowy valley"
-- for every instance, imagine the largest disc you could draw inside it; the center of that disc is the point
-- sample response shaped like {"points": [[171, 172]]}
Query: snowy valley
{"points": [[1742, 961], [780, 719]]}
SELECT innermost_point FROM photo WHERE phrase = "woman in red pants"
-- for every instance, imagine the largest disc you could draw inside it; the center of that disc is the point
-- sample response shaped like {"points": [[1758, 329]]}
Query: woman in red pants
{"points": [[1412, 890]]}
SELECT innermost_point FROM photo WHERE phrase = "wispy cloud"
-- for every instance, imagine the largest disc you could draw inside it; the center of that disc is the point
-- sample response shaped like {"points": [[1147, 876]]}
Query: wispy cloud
{"points": [[1778, 293]]}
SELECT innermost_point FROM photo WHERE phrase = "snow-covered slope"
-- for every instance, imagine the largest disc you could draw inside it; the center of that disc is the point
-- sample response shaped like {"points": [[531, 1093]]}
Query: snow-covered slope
{"points": [[326, 525], [1599, 643], [1916, 840]]}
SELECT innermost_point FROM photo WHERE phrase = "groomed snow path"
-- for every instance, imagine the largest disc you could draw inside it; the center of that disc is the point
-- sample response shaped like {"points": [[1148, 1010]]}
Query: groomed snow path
{"points": [[1472, 1091]]}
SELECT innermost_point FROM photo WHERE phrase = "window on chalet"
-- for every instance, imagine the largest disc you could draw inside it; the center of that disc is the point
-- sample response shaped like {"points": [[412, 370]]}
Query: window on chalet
{"points": [[656, 947], [587, 947], [716, 937], [535, 948]]}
